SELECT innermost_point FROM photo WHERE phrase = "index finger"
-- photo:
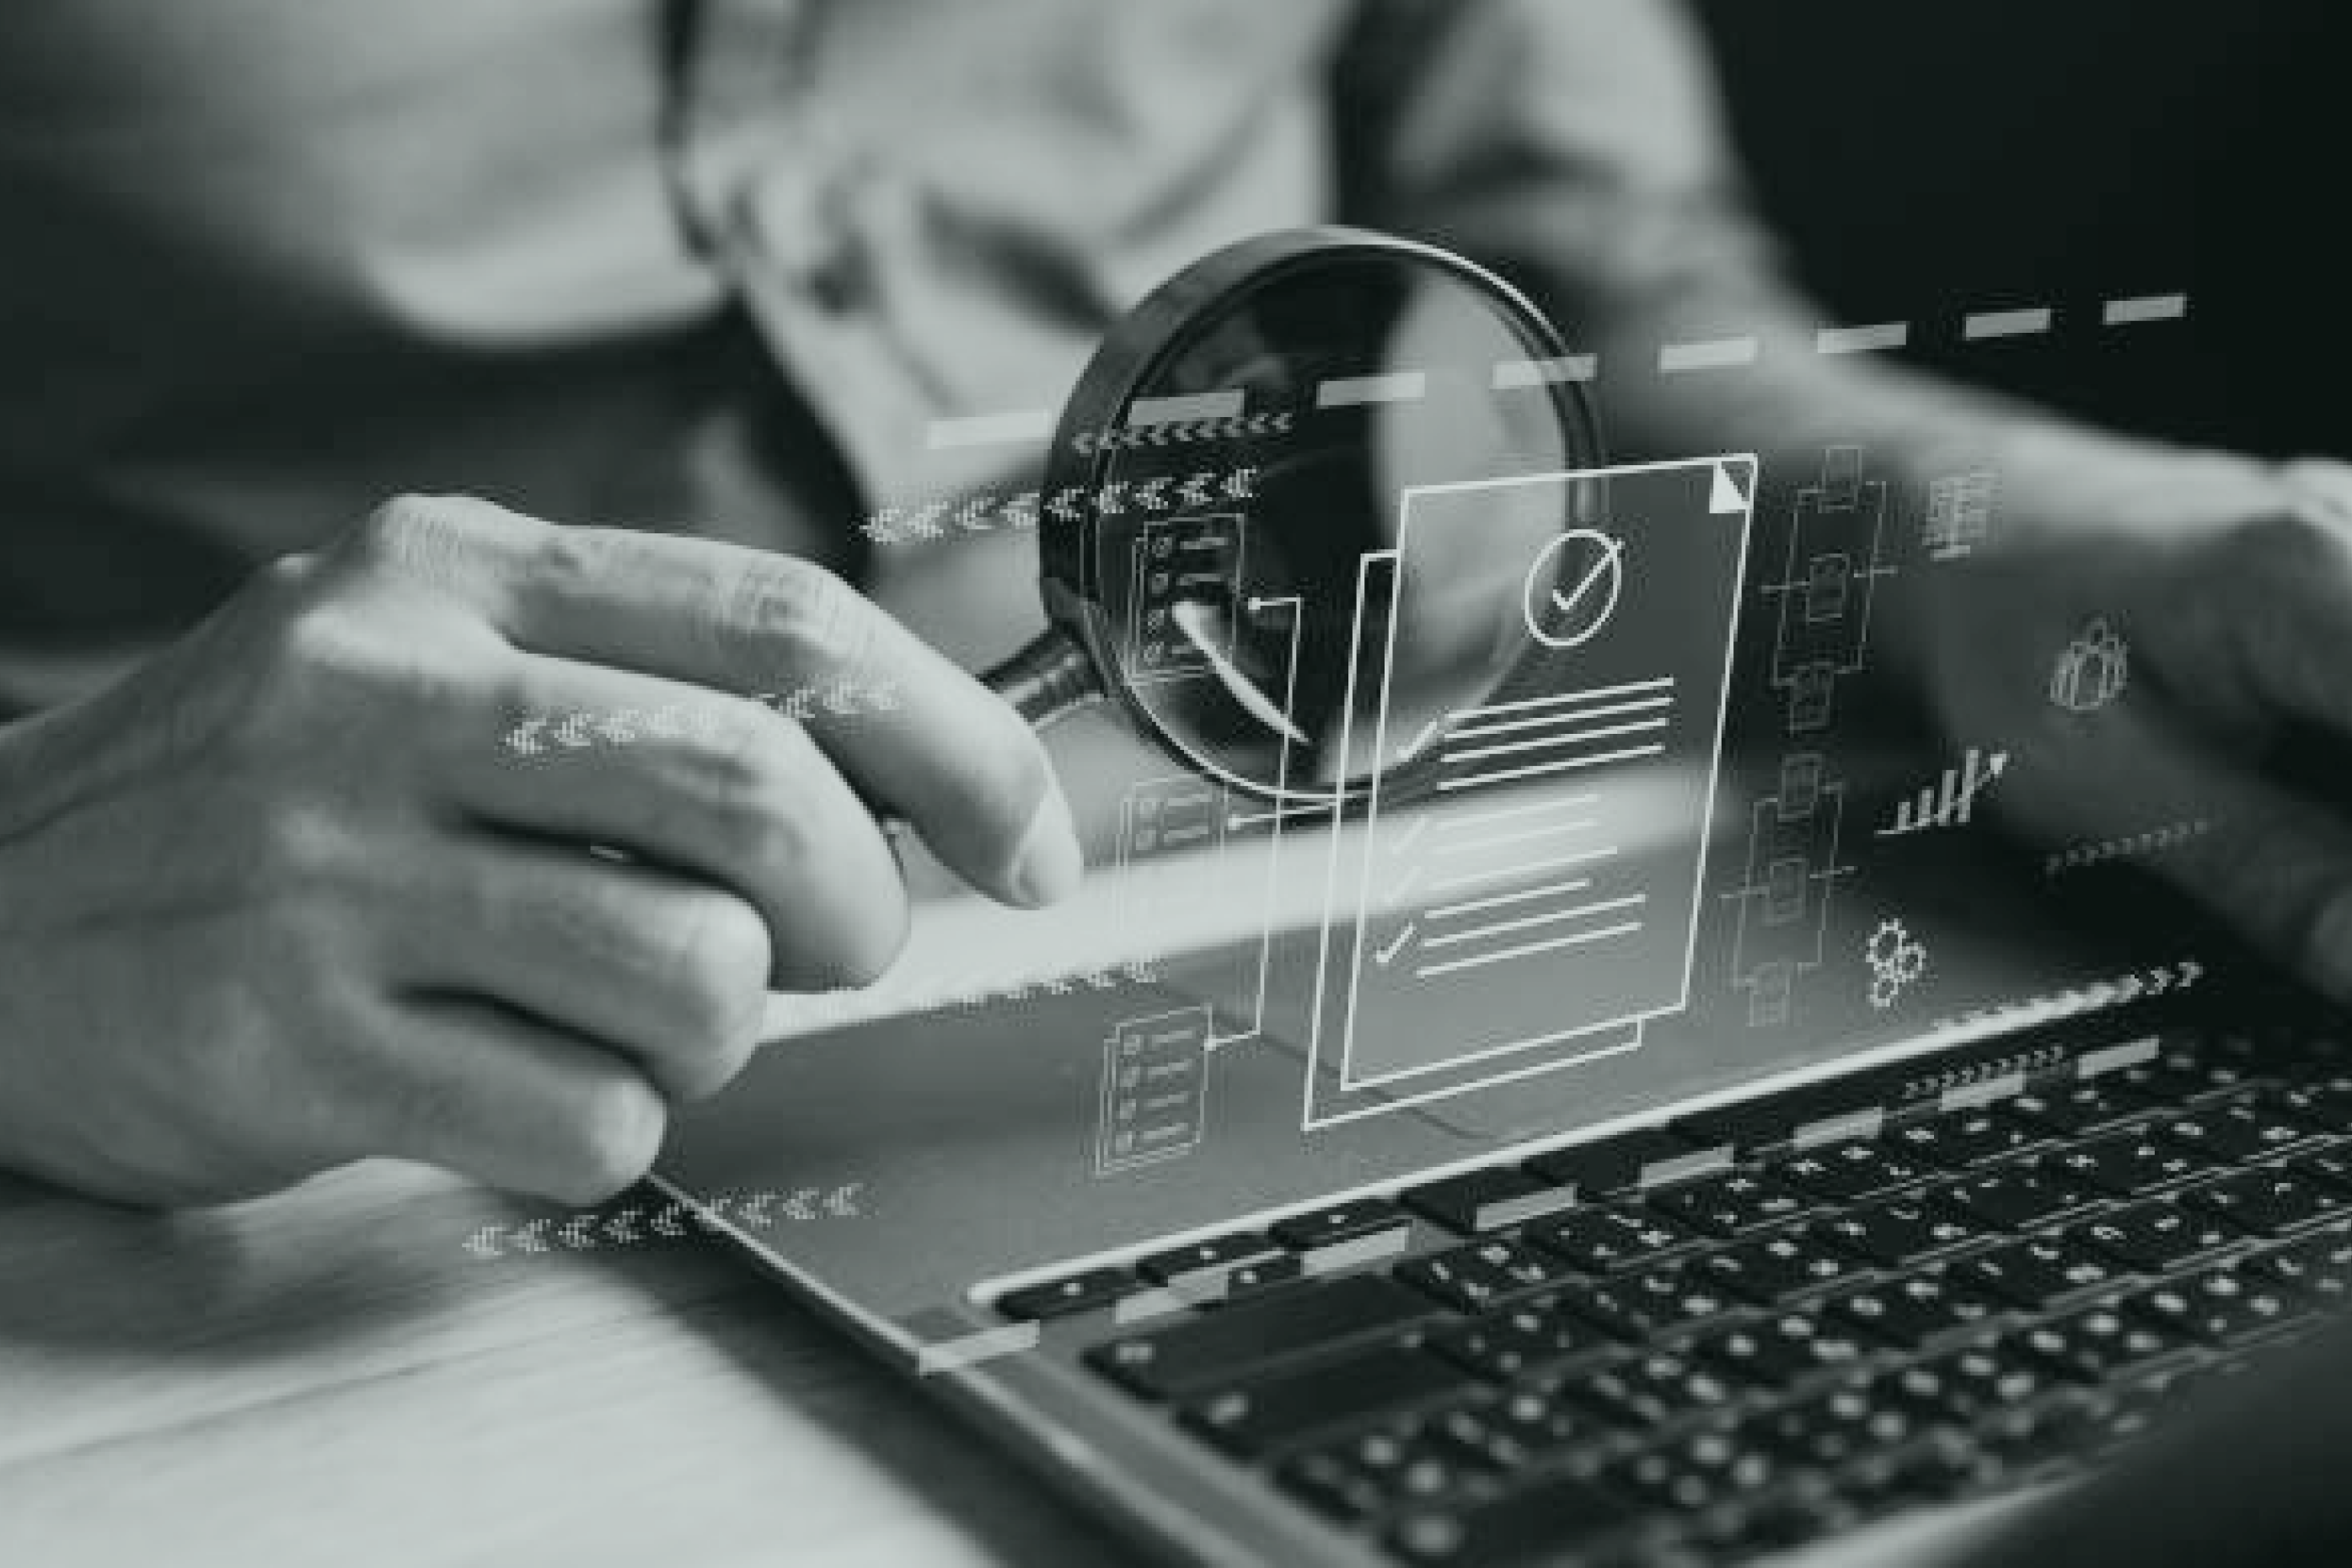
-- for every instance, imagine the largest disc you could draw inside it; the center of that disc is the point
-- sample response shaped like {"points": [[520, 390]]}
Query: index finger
{"points": [[952, 757]]}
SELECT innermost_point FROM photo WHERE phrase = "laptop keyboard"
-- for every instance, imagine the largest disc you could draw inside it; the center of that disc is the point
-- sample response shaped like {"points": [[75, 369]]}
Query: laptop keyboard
{"points": [[1647, 1346]]}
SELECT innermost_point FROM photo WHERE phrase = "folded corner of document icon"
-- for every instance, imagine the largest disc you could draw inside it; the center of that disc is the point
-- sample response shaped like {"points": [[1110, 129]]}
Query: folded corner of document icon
{"points": [[1540, 902]]}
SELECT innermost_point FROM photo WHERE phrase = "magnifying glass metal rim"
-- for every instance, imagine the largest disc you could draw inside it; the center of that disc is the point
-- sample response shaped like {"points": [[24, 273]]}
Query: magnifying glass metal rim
{"points": [[1078, 660]]}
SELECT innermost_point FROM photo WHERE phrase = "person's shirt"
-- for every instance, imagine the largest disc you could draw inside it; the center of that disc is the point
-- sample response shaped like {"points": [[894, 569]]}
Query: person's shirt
{"points": [[741, 266]]}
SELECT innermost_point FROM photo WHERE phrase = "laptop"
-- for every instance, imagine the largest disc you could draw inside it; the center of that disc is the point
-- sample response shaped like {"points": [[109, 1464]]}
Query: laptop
{"points": [[1802, 1174]]}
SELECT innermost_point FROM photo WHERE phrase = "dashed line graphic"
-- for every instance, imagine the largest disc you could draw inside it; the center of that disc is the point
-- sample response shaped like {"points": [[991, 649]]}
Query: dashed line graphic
{"points": [[1176, 432], [542, 734], [592, 1229], [1221, 414], [2144, 308], [2022, 323], [1873, 339], [1709, 354], [990, 511]]}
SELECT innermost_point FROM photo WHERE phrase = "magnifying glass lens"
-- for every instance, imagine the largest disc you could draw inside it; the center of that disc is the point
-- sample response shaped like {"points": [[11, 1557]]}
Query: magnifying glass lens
{"points": [[1247, 443]]}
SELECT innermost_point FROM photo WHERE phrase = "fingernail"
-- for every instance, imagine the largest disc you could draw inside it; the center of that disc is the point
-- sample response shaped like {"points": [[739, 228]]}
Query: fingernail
{"points": [[1049, 864]]}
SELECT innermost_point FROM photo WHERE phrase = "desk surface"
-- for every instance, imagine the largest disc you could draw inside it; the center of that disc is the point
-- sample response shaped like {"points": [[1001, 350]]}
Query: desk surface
{"points": [[330, 1376]]}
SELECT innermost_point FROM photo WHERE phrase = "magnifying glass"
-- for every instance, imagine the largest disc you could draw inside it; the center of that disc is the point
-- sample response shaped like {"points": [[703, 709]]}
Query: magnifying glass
{"points": [[1238, 448]]}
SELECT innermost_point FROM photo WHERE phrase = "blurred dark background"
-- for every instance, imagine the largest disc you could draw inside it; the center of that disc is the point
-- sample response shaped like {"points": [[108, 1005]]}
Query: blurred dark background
{"points": [[1929, 160]]}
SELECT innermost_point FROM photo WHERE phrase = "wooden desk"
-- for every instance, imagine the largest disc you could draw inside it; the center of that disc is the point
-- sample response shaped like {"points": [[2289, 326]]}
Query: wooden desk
{"points": [[330, 1377]]}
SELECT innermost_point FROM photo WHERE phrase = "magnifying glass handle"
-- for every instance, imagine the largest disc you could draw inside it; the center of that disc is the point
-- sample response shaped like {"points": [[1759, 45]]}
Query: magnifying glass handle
{"points": [[1047, 680]]}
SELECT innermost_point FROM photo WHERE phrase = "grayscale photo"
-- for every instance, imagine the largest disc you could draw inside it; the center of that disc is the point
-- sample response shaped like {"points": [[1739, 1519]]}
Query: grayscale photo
{"points": [[1254, 783]]}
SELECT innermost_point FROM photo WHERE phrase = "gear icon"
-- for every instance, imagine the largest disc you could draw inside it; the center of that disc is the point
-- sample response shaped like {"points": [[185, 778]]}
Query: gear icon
{"points": [[1896, 961], [1885, 949]]}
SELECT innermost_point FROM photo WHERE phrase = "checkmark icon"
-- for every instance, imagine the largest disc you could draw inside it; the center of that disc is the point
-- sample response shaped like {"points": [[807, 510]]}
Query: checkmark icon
{"points": [[1387, 955]]}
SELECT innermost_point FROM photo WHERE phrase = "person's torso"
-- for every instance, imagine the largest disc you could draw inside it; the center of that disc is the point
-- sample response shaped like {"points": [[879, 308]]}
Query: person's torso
{"points": [[705, 266]]}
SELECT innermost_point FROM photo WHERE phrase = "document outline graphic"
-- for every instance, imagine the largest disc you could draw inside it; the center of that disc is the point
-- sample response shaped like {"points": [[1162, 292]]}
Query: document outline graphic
{"points": [[1627, 721]]}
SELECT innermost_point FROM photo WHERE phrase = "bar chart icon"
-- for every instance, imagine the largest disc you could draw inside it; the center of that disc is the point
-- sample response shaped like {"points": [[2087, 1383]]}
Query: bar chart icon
{"points": [[1948, 803]]}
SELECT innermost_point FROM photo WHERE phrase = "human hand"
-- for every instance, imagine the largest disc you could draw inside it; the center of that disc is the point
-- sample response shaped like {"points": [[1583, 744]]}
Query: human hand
{"points": [[283, 899], [2225, 587]]}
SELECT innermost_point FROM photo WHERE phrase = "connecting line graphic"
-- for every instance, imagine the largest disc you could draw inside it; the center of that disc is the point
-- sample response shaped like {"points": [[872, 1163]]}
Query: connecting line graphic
{"points": [[1277, 816]]}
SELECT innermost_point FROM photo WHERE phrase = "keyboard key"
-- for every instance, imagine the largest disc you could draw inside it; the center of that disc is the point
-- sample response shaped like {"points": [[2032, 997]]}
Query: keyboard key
{"points": [[1963, 1140], [2129, 1164], [1643, 1390], [1897, 1232], [1287, 1407], [2095, 1345], [1637, 1306], [1779, 1348], [2040, 1271], [1770, 1269], [2220, 1306], [1068, 1298], [1526, 1427], [2269, 1202], [2323, 1102], [1250, 1278], [1508, 1342], [2184, 1074], [1218, 1253], [1942, 1468], [1696, 1471], [2014, 1198], [2027, 1437], [1372, 1473], [2247, 1125], [1346, 1222], [1403, 1460], [1732, 1204], [1958, 1385], [1604, 1240], [1849, 1172], [1472, 1278], [1235, 1341], [1511, 1528], [1478, 1201], [2332, 1165], [2320, 1266], [2155, 1237], [2092, 1105], [1612, 1164], [1832, 1429], [1912, 1312]]}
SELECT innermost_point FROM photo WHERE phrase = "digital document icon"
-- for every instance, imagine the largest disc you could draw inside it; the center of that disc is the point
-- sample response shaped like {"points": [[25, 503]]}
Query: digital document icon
{"points": [[1535, 898], [2094, 670], [1154, 1090]]}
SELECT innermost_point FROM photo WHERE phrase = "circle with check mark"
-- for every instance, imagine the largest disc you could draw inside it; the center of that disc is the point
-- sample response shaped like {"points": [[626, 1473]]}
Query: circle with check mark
{"points": [[1572, 587]]}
